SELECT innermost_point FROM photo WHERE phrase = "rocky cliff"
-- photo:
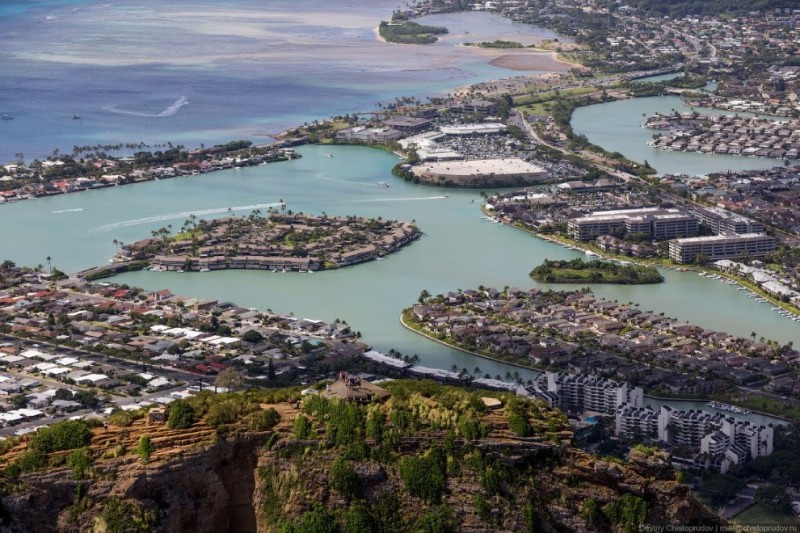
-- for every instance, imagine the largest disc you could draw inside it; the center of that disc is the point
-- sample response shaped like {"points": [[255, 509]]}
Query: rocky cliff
{"points": [[430, 458]]}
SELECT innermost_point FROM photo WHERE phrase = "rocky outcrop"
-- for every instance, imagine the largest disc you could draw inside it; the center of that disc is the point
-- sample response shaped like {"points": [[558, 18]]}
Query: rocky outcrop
{"points": [[238, 480]]}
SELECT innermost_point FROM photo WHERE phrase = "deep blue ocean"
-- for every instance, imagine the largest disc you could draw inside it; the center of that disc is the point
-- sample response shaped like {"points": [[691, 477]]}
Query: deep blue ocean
{"points": [[202, 71]]}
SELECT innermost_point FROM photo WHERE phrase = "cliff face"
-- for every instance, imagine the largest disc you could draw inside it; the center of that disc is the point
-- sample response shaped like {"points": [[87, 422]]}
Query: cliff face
{"points": [[207, 490], [354, 469]]}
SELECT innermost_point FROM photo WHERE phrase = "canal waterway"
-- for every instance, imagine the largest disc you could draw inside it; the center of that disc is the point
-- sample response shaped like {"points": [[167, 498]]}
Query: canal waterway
{"points": [[458, 250], [616, 126], [122, 99]]}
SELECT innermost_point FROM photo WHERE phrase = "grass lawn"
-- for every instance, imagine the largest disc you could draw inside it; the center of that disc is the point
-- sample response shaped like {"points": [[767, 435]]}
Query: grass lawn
{"points": [[758, 515]]}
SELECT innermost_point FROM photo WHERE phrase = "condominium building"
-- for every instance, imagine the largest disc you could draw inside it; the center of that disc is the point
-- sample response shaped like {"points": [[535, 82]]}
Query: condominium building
{"points": [[723, 222], [735, 442], [638, 422], [721, 247], [578, 393], [652, 222], [686, 427]]}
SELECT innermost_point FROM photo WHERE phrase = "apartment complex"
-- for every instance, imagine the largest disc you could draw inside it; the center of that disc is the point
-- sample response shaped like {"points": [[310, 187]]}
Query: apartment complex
{"points": [[718, 247], [653, 222], [720, 441], [722, 222], [579, 393]]}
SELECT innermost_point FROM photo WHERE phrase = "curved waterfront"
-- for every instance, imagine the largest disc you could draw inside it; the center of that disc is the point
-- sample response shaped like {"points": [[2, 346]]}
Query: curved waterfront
{"points": [[616, 126], [457, 250]]}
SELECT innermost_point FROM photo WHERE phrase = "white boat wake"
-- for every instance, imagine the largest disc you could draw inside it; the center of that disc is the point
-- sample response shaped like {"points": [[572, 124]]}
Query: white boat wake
{"points": [[181, 215], [69, 210], [167, 112]]}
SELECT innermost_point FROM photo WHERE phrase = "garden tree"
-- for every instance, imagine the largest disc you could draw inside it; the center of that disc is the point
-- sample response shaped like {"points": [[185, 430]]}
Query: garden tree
{"points": [[181, 415], [270, 369], [252, 336], [145, 448], [63, 394], [720, 488], [423, 296], [774, 498], [230, 379]]}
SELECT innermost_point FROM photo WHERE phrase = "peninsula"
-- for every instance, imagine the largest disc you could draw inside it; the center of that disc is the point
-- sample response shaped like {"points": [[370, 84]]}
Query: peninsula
{"points": [[279, 241], [579, 271]]}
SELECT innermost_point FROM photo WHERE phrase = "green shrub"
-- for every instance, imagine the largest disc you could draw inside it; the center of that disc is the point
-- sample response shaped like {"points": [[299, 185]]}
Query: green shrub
{"points": [[357, 519], [376, 425], [31, 460], [317, 520], [120, 516], [264, 420], [224, 412], [145, 448], [519, 425], [424, 476], [302, 427], [79, 461], [65, 435], [121, 418], [437, 520], [591, 513], [344, 480], [629, 512], [482, 507], [181, 415]]}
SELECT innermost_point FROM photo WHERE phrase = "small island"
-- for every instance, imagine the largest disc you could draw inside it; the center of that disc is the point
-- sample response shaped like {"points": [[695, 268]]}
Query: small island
{"points": [[408, 32], [496, 44], [580, 271], [280, 241]]}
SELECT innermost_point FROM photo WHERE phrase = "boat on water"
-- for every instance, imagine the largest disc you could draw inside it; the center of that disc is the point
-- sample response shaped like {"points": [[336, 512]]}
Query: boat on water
{"points": [[383, 184], [6, 117], [179, 271], [205, 270], [329, 155], [76, 117], [729, 408]]}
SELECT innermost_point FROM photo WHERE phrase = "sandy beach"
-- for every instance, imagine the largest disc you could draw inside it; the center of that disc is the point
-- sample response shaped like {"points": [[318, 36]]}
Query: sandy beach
{"points": [[527, 60]]}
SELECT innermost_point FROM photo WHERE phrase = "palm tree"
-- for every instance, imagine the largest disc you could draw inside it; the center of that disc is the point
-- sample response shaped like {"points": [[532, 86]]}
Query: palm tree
{"points": [[49, 267]]}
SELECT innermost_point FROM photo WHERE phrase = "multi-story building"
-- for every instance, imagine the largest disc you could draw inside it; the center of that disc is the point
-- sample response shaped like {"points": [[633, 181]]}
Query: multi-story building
{"points": [[578, 393], [686, 427], [652, 222], [721, 247], [720, 440], [735, 442], [635, 422], [723, 222]]}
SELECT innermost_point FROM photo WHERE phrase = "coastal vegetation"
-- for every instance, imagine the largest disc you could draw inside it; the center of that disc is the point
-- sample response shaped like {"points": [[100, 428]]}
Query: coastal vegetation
{"points": [[408, 32], [496, 44], [596, 271]]}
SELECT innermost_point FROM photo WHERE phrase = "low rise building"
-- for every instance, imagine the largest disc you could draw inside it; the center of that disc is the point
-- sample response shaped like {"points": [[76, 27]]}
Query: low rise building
{"points": [[721, 247], [653, 222]]}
